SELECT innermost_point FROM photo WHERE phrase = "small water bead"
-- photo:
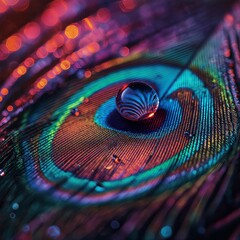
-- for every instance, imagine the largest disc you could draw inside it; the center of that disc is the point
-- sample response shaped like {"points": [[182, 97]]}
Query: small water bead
{"points": [[116, 159], [99, 187], [109, 167], [137, 101], [75, 112], [188, 135]]}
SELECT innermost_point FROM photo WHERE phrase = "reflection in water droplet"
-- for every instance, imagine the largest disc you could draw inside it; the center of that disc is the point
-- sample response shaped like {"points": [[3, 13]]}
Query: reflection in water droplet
{"points": [[137, 101], [54, 231]]}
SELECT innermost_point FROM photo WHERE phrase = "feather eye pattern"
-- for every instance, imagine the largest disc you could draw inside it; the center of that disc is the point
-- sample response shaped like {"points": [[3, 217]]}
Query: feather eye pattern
{"points": [[71, 167]]}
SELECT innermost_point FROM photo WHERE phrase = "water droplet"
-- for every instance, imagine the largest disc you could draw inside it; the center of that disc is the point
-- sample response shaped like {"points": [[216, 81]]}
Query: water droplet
{"points": [[188, 135], [99, 187], [214, 81], [137, 101], [54, 231], [86, 100], [108, 167], [75, 167], [75, 112], [166, 231], [2, 173], [116, 159], [115, 224], [2, 139], [15, 206]]}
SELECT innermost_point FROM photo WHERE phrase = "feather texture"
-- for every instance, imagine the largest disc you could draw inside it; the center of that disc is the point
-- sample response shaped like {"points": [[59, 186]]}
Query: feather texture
{"points": [[71, 167]]}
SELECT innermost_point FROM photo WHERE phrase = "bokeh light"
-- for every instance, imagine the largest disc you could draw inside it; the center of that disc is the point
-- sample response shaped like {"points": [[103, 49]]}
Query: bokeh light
{"points": [[88, 23], [3, 7], [10, 108], [21, 6], [42, 83], [4, 91], [21, 70], [71, 31], [65, 64], [32, 30], [50, 17], [103, 15], [13, 43], [10, 2]]}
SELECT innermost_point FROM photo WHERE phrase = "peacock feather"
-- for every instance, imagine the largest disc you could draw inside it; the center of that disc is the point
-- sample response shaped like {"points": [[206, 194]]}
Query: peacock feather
{"points": [[71, 167]]}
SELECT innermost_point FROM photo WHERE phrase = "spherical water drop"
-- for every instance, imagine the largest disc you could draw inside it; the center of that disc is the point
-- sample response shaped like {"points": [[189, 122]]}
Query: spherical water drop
{"points": [[137, 101]]}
